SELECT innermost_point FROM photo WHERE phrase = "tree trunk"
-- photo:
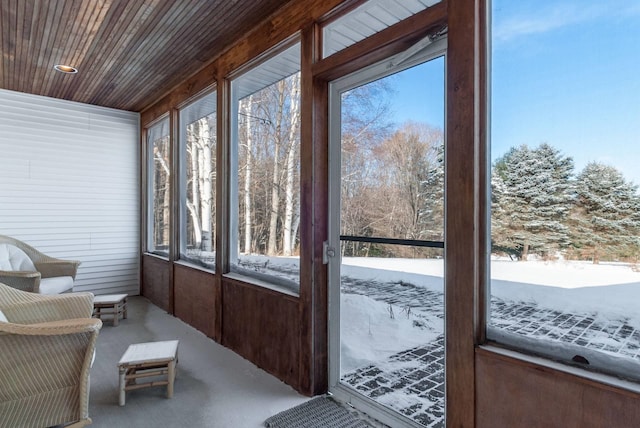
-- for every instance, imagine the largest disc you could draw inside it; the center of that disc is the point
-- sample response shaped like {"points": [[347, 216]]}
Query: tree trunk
{"points": [[162, 159], [204, 180], [525, 252], [194, 206], [247, 178], [275, 178], [295, 227], [288, 238]]}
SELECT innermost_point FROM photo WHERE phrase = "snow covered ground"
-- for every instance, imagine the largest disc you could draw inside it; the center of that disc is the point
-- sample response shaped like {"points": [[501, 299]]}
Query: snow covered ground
{"points": [[564, 305], [372, 331], [606, 291]]}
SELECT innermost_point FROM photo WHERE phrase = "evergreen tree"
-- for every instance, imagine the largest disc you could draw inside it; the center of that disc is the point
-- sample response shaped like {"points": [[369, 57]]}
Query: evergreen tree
{"points": [[606, 223], [431, 213], [532, 197], [501, 236]]}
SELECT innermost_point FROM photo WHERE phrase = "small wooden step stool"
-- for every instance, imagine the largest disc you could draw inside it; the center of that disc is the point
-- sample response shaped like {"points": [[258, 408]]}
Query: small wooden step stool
{"points": [[142, 360], [114, 305]]}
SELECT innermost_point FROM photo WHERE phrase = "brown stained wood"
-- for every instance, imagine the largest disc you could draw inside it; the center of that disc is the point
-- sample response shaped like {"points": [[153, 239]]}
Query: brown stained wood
{"points": [[515, 393], [127, 33], [46, 62], [188, 90], [273, 30], [20, 24], [95, 14], [193, 32], [174, 220], [175, 20], [461, 232], [307, 283], [222, 190], [156, 277], [482, 179], [129, 53], [262, 326], [381, 45], [195, 298], [313, 185], [339, 11], [320, 232], [55, 44]]}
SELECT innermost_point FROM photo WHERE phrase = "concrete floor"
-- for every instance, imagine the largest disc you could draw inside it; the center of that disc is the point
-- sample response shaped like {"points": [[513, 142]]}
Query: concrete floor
{"points": [[214, 386]]}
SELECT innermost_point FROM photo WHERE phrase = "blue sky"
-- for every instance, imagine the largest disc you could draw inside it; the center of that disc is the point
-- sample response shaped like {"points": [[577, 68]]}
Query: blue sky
{"points": [[566, 73], [420, 94]]}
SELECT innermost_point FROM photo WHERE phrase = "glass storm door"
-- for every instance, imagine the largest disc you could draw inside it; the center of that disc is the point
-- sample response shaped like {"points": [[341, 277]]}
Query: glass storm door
{"points": [[386, 246]]}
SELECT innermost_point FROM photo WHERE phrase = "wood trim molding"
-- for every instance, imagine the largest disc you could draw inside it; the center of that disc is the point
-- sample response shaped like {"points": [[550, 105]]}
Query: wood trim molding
{"points": [[462, 234], [314, 364], [387, 42], [483, 174], [341, 10]]}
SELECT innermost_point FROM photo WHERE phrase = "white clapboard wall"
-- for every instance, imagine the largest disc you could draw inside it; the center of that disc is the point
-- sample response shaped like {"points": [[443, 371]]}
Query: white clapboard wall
{"points": [[70, 186]]}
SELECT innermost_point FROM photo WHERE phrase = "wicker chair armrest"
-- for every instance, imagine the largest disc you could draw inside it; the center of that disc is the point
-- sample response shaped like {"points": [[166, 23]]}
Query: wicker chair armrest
{"points": [[53, 328], [50, 363], [42, 308], [22, 280], [57, 267]]}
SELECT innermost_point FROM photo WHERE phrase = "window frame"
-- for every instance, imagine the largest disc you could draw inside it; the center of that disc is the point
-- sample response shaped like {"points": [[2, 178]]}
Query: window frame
{"points": [[148, 145], [233, 236]]}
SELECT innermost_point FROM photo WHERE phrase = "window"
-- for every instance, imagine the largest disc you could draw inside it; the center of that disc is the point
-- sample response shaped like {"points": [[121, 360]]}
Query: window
{"points": [[367, 19], [565, 223], [159, 194], [265, 182], [198, 181]]}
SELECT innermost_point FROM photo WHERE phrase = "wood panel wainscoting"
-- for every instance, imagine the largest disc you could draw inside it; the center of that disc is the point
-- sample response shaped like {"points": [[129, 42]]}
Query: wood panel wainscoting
{"points": [[260, 324], [263, 326], [515, 393], [156, 284], [195, 299]]}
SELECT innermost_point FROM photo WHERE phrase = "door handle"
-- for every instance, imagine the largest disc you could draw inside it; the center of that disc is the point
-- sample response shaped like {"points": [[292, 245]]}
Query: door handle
{"points": [[327, 252]]}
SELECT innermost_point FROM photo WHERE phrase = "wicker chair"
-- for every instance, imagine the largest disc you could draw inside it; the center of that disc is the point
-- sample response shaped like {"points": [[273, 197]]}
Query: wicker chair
{"points": [[46, 350], [45, 274]]}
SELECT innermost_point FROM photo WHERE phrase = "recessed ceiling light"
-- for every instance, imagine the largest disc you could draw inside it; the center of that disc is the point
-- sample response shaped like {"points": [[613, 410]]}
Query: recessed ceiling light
{"points": [[65, 69]]}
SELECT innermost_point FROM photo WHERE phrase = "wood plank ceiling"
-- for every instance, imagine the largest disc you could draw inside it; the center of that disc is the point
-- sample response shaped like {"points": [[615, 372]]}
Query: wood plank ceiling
{"points": [[128, 53]]}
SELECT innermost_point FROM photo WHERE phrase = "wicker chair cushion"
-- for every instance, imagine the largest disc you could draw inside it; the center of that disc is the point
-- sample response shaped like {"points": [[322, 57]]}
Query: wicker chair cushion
{"points": [[13, 258], [56, 284]]}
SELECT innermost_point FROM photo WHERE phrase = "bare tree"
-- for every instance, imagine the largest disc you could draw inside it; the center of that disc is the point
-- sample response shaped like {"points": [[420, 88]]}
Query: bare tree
{"points": [[409, 174], [275, 178], [269, 168], [248, 103], [200, 146], [162, 192], [365, 124], [291, 169]]}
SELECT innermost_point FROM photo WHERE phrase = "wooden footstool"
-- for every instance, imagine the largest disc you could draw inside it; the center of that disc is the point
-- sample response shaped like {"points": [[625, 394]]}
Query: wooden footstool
{"points": [[114, 305], [142, 360]]}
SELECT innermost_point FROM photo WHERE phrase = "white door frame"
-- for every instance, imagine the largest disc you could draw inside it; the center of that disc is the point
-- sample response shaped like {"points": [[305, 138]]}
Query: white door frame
{"points": [[361, 77]]}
